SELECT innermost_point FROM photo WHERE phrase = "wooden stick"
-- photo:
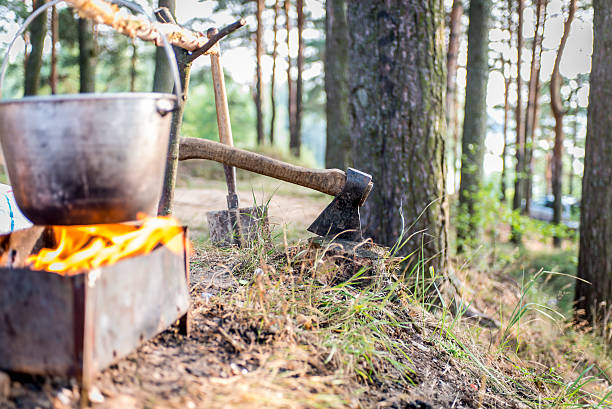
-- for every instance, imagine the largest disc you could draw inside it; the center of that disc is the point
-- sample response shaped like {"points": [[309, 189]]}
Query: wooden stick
{"points": [[103, 12], [329, 181]]}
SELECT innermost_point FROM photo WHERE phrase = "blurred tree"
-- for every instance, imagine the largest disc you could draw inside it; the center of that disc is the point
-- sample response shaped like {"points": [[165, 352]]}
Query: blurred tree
{"points": [[273, 79], [162, 79], [475, 122], [37, 30], [258, 72], [295, 142], [291, 107], [87, 56], [517, 200], [454, 40], [397, 74], [594, 295], [337, 148], [54, 39], [559, 112], [533, 100]]}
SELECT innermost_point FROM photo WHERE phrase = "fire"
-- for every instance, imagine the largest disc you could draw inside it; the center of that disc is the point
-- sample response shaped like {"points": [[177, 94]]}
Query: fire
{"points": [[87, 247]]}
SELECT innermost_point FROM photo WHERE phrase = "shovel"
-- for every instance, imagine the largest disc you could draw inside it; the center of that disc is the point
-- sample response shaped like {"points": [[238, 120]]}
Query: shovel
{"points": [[233, 226]]}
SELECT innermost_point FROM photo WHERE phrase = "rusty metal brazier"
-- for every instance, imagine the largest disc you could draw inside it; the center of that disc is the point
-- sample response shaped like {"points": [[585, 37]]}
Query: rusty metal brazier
{"points": [[87, 158]]}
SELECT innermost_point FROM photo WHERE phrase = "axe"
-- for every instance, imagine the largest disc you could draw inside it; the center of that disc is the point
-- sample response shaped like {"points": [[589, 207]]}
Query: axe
{"points": [[351, 189]]}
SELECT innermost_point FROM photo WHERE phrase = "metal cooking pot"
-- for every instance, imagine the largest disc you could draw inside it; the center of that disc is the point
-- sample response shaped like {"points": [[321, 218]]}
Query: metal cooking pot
{"points": [[86, 158]]}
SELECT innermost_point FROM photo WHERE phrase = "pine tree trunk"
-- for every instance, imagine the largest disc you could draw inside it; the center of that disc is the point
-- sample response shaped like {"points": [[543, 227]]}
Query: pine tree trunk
{"points": [[295, 142], [33, 63], [559, 112], [259, 74], [336, 85], [273, 79], [475, 121], [134, 67], [290, 86], [87, 56], [533, 100], [573, 156], [507, 80], [54, 39], [595, 259], [397, 80], [162, 79], [454, 40], [520, 130]]}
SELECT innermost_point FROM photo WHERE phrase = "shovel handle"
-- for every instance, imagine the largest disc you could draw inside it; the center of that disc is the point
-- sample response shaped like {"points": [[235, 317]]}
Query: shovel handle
{"points": [[329, 181]]}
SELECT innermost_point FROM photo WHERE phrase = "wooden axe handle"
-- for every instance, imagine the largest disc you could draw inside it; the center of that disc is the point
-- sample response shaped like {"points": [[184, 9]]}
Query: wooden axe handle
{"points": [[330, 181]]}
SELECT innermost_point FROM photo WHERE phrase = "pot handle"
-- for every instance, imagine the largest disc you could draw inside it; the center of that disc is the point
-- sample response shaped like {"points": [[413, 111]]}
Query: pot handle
{"points": [[135, 7]]}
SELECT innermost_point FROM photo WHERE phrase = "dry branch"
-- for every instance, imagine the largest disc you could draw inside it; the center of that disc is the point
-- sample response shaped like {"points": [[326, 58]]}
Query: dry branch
{"points": [[103, 12]]}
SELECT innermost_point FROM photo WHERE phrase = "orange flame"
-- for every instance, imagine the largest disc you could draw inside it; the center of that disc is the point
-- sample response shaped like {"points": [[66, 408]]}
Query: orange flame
{"points": [[87, 247]]}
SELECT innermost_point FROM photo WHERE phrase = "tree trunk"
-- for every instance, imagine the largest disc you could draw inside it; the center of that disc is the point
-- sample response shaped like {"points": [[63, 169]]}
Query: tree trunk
{"points": [[573, 155], [336, 85], [559, 112], [533, 99], [273, 79], [507, 80], [397, 80], [595, 259], [134, 67], [295, 142], [162, 79], [520, 130], [87, 56], [38, 29], [54, 38], [475, 122], [259, 74], [454, 40], [290, 86]]}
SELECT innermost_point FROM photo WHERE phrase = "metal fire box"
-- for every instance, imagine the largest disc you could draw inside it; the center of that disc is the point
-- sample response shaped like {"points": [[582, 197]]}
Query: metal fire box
{"points": [[77, 325]]}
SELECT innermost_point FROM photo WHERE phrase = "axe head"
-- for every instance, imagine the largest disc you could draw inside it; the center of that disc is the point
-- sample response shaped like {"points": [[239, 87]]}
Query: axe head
{"points": [[341, 218]]}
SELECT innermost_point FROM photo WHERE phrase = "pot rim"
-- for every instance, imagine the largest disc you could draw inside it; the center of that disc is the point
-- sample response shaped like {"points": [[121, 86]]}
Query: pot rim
{"points": [[89, 97]]}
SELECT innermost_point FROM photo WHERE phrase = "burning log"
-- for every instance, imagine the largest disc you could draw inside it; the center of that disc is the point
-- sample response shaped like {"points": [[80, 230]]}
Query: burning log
{"points": [[103, 12]]}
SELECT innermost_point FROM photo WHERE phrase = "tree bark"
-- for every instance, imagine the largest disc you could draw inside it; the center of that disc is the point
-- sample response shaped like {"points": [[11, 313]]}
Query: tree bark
{"points": [[54, 39], [273, 79], [559, 112], [595, 259], [454, 40], [87, 56], [259, 74], [37, 30], [507, 80], [520, 130], [162, 79], [290, 85], [397, 81], [336, 85], [295, 142], [573, 155], [533, 99], [134, 67], [475, 122]]}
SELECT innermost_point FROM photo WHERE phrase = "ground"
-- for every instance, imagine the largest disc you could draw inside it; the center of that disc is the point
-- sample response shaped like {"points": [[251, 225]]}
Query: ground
{"points": [[305, 325]]}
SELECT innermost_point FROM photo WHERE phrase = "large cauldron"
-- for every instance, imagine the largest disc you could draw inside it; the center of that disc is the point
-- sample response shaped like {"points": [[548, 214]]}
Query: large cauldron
{"points": [[86, 158]]}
